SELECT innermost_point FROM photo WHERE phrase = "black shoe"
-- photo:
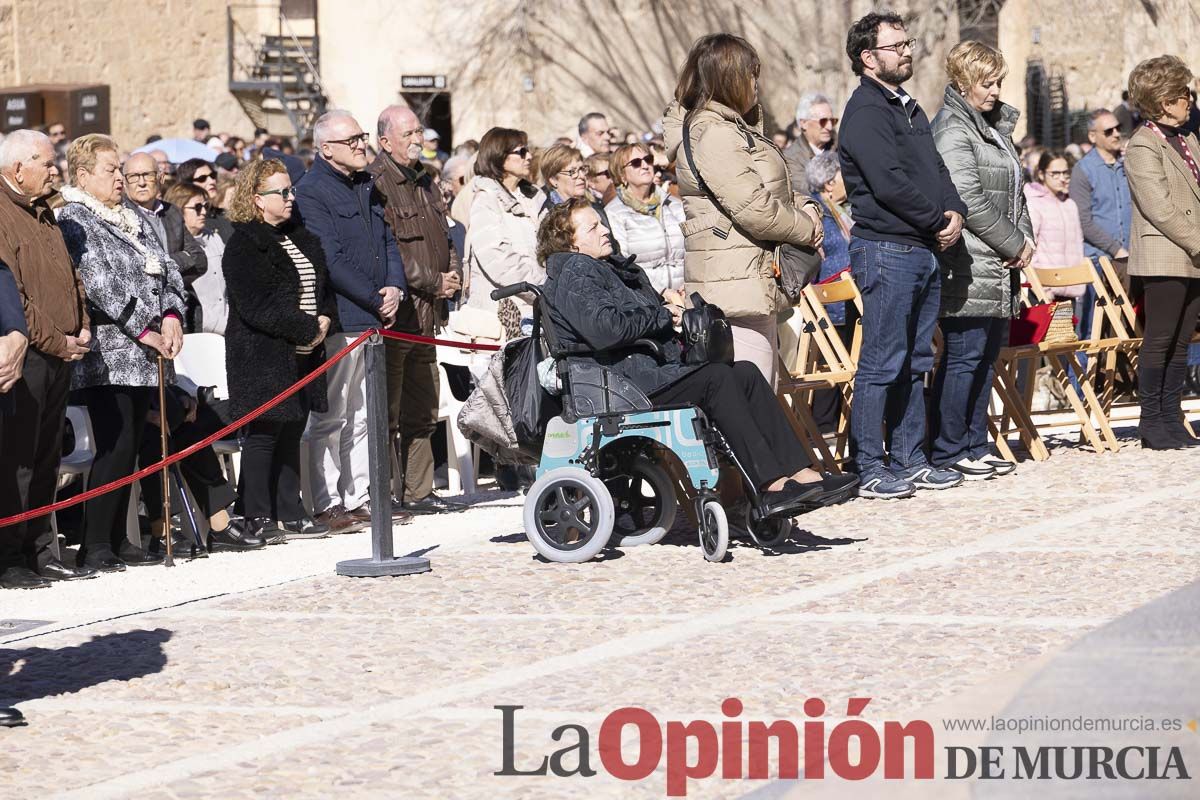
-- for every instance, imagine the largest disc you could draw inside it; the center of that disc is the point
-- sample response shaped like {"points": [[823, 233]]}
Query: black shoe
{"points": [[101, 560], [306, 528], [794, 498], [22, 578], [55, 570], [837, 488], [137, 557], [1155, 437], [432, 504], [234, 538], [1182, 434], [266, 529], [11, 718]]}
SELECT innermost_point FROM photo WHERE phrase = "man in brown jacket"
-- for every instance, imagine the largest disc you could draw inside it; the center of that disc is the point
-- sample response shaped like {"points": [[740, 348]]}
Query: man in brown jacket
{"points": [[416, 212], [59, 332]]}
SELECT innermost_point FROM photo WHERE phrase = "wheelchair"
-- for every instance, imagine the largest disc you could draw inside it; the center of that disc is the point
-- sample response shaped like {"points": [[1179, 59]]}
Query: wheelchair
{"points": [[602, 479]]}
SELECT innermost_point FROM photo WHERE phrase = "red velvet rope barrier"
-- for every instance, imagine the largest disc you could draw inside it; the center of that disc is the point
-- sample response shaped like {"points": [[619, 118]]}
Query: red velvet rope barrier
{"points": [[233, 426]]}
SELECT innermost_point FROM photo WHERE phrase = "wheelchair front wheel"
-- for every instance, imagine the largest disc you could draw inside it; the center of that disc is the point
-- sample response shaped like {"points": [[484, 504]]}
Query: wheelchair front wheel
{"points": [[766, 532], [568, 515], [645, 503], [714, 530]]}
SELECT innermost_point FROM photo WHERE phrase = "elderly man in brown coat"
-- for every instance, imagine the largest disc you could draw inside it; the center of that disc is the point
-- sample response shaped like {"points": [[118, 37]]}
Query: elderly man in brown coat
{"points": [[416, 212], [55, 312]]}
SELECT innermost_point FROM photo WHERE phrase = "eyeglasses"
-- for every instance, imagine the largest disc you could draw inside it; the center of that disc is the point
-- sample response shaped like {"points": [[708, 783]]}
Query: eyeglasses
{"points": [[601, 174], [284, 194], [208, 176], [520, 151], [638, 162], [200, 209], [1110, 131], [826, 122], [908, 44], [576, 172], [360, 140], [141, 177]]}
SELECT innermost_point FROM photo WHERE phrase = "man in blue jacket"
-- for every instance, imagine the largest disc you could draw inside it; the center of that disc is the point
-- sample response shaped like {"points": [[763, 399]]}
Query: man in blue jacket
{"points": [[337, 202], [905, 208]]}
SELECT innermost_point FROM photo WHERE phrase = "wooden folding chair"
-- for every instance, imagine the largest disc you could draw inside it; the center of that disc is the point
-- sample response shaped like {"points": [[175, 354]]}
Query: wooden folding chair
{"points": [[1063, 359], [821, 360], [1118, 327]]}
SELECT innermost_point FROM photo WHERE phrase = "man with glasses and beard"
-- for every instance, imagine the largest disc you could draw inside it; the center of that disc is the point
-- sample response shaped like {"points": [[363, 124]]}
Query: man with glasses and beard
{"points": [[818, 129], [142, 194], [337, 201], [905, 209]]}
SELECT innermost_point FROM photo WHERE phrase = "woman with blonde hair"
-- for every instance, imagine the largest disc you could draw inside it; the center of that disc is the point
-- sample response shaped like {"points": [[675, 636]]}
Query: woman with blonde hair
{"points": [[736, 193], [981, 274], [136, 303], [281, 307], [647, 222], [1164, 182]]}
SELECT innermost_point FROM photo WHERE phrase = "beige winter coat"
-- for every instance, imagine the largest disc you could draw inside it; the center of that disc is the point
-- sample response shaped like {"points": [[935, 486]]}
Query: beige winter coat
{"points": [[501, 246], [730, 249]]}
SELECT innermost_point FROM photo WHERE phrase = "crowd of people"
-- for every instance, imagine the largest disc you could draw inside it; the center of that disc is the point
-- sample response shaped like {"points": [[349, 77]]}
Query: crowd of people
{"points": [[288, 251]]}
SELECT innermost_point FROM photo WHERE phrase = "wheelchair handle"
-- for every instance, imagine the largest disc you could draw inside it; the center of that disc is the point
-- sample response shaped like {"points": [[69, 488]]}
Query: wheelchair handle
{"points": [[509, 291]]}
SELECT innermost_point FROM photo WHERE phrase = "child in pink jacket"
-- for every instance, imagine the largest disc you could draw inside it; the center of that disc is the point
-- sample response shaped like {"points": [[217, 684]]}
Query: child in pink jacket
{"points": [[1055, 218]]}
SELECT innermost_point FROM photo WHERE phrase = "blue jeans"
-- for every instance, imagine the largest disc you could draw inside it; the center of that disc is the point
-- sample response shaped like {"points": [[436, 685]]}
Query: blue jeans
{"points": [[963, 386], [901, 289]]}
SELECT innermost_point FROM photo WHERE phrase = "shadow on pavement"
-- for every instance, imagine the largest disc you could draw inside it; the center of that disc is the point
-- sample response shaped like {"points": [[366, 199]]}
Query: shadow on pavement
{"points": [[33, 672]]}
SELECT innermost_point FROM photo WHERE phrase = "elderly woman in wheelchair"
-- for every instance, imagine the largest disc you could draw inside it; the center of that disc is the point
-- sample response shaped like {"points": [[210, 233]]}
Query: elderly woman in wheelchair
{"points": [[629, 396]]}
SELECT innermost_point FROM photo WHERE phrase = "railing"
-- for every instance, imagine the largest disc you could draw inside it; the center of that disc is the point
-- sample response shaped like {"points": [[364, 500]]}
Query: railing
{"points": [[249, 30]]}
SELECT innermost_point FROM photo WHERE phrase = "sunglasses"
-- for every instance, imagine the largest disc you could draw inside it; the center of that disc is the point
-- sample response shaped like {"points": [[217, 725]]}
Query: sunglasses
{"points": [[826, 122], [638, 162], [601, 174], [203, 178], [520, 151], [198, 209], [284, 194], [1110, 131]]}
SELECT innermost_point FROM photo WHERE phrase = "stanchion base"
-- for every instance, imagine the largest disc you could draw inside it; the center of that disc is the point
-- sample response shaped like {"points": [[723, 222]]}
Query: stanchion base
{"points": [[370, 568]]}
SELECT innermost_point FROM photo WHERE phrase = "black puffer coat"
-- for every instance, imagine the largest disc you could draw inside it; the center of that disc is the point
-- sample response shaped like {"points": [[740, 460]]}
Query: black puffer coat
{"points": [[265, 321], [608, 305]]}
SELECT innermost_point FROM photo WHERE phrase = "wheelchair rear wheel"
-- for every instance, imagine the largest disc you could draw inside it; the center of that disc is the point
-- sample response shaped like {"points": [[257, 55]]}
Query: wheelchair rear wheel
{"points": [[568, 515], [645, 503], [714, 530]]}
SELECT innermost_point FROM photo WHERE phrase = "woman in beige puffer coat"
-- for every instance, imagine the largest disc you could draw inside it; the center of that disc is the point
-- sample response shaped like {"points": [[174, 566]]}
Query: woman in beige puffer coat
{"points": [[731, 243]]}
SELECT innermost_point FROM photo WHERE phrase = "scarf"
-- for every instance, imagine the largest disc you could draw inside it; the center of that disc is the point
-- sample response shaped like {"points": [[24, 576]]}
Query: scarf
{"points": [[120, 218], [651, 207]]}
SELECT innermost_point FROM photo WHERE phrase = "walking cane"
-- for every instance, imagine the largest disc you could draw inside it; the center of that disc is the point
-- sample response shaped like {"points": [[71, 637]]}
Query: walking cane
{"points": [[169, 561]]}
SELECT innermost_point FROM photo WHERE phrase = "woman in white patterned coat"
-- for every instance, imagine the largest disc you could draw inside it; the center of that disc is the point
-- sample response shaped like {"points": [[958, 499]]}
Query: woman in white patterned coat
{"points": [[647, 222], [136, 301]]}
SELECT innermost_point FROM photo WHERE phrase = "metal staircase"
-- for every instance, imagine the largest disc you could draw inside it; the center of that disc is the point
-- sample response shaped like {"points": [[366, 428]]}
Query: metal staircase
{"points": [[273, 71]]}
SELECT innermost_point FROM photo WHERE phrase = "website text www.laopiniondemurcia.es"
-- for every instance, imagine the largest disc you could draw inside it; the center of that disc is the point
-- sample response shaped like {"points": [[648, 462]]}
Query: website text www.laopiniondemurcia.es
{"points": [[742, 749]]}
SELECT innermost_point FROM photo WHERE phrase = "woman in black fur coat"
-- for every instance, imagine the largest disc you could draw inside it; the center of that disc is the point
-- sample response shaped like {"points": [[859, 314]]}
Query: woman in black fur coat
{"points": [[281, 307]]}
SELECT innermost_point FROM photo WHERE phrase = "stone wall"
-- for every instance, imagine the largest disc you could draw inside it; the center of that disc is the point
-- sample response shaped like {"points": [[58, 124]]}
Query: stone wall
{"points": [[541, 64], [165, 60], [1094, 45]]}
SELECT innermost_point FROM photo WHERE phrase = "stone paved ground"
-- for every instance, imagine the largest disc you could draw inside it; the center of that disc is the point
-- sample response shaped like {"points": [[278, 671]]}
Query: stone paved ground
{"points": [[265, 675]]}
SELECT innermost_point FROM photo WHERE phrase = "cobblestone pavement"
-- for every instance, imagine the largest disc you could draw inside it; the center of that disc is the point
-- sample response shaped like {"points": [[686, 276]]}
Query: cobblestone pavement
{"points": [[265, 675]]}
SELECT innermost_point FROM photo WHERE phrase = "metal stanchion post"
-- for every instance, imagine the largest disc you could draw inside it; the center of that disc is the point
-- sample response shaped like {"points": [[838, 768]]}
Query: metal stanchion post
{"points": [[381, 562]]}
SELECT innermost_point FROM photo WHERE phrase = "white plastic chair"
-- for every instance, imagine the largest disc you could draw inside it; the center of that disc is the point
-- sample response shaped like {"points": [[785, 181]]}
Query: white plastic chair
{"points": [[202, 362], [77, 463], [460, 465]]}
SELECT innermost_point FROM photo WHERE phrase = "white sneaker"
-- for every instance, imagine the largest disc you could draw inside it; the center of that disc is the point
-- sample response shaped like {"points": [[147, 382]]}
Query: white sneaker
{"points": [[998, 465], [973, 470]]}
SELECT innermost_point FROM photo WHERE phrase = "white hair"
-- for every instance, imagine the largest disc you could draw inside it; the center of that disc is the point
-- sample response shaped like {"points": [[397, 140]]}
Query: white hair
{"points": [[821, 169], [807, 101], [454, 162], [19, 145], [325, 122]]}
